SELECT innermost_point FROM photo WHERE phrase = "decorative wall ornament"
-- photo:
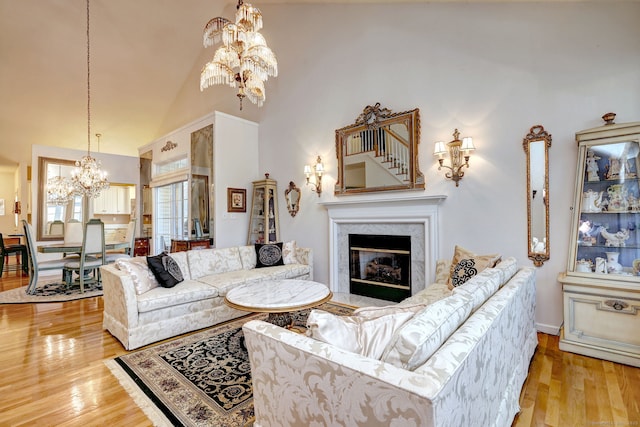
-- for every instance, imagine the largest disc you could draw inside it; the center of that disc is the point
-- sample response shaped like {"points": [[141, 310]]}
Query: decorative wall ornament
{"points": [[170, 145]]}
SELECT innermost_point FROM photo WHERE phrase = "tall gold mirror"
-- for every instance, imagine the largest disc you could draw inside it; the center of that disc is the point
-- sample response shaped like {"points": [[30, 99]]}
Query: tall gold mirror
{"points": [[379, 152], [52, 216], [292, 196], [536, 145]]}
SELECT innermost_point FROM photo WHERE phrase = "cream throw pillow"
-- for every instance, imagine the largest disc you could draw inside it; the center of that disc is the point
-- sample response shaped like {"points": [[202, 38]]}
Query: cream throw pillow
{"points": [[465, 264], [289, 253], [142, 277], [367, 334]]}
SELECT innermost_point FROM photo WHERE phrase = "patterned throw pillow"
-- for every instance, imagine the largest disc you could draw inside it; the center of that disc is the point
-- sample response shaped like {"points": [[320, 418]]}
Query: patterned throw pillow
{"points": [[166, 270], [463, 271], [465, 264], [289, 253], [142, 278], [268, 254]]}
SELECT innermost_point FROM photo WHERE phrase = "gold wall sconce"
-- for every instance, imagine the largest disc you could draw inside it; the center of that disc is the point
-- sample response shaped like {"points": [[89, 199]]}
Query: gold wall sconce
{"points": [[318, 169], [459, 154]]}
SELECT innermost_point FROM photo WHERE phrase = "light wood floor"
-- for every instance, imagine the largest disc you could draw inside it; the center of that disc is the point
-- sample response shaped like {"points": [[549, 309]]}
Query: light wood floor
{"points": [[52, 374]]}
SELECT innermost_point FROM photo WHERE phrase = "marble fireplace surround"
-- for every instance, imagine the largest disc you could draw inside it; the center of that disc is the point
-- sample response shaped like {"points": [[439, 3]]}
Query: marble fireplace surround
{"points": [[415, 216]]}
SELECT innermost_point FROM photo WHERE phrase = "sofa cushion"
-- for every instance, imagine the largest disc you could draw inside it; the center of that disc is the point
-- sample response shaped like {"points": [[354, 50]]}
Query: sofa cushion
{"points": [[373, 312], [429, 295], [291, 271], [268, 254], [443, 270], [248, 257], [189, 291], [165, 269], [143, 279], [181, 259], [289, 253], [357, 334], [422, 335], [204, 262], [480, 287], [223, 282], [465, 264], [508, 267]]}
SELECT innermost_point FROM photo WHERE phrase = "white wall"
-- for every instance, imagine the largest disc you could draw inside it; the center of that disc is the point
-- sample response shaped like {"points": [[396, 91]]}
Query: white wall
{"points": [[492, 70], [235, 166], [7, 194]]}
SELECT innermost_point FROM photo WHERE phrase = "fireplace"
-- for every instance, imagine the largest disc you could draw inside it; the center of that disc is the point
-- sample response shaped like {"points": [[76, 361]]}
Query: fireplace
{"points": [[380, 266], [394, 215]]}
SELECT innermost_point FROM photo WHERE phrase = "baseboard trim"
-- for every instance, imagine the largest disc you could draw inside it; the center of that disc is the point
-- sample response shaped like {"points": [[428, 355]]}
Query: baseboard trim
{"points": [[548, 329]]}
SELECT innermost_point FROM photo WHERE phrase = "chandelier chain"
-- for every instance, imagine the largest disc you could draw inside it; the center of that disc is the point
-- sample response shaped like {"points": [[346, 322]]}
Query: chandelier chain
{"points": [[88, 86]]}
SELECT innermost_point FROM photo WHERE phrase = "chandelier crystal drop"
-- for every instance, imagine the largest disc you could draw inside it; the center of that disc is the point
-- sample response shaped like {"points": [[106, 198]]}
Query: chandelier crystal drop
{"points": [[59, 191], [87, 178], [244, 60]]}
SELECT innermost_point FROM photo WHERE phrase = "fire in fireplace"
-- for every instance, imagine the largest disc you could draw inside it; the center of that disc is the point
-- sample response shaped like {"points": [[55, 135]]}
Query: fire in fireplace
{"points": [[380, 266]]}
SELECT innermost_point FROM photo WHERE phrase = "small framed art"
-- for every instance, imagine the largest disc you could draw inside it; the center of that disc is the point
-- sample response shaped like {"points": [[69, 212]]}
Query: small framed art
{"points": [[236, 200]]}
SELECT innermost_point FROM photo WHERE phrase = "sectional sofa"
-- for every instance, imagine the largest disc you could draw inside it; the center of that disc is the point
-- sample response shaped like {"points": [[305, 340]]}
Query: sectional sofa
{"points": [[137, 311], [460, 358]]}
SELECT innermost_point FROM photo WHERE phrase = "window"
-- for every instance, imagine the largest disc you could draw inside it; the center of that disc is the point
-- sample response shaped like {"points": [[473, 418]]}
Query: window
{"points": [[59, 212], [172, 209], [172, 166]]}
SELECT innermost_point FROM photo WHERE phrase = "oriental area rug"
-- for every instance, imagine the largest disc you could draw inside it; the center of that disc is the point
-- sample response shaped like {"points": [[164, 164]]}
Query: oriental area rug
{"points": [[50, 292], [202, 379]]}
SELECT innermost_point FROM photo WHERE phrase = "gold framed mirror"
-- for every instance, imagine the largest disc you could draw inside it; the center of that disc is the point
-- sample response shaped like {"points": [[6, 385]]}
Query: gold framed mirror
{"points": [[379, 152], [536, 146], [52, 216], [292, 195]]}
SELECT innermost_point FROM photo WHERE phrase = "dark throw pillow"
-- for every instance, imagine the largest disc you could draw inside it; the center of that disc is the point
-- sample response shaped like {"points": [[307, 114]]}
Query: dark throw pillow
{"points": [[463, 271], [268, 254], [166, 270]]}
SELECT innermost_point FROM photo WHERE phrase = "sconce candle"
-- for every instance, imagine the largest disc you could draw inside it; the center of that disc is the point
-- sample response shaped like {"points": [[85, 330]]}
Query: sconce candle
{"points": [[458, 151], [317, 170]]}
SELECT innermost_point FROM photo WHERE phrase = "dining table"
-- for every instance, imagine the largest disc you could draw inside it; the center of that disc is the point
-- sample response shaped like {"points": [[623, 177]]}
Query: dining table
{"points": [[76, 247]]}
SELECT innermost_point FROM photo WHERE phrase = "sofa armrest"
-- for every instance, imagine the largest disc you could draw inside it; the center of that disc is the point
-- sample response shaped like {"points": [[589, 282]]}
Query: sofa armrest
{"points": [[120, 300], [305, 256], [300, 381]]}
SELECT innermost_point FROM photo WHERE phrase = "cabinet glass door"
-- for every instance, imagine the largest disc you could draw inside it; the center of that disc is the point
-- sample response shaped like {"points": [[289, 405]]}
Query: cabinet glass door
{"points": [[607, 235]]}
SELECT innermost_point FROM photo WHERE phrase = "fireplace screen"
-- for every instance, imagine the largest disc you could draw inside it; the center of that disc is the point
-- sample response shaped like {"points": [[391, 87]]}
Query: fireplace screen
{"points": [[380, 266]]}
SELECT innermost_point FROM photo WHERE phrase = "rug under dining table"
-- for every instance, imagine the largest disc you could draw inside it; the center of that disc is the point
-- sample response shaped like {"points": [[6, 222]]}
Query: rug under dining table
{"points": [[200, 379]]}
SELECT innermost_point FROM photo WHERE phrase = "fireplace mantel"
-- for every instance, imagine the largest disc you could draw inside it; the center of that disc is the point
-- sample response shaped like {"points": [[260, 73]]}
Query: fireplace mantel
{"points": [[415, 215]]}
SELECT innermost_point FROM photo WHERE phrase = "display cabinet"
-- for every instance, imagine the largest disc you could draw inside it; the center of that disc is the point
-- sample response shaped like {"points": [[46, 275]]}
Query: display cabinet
{"points": [[601, 287], [263, 225]]}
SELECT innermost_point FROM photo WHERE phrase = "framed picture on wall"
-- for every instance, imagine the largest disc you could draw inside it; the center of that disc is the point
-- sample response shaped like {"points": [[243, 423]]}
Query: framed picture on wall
{"points": [[1, 206], [236, 200]]}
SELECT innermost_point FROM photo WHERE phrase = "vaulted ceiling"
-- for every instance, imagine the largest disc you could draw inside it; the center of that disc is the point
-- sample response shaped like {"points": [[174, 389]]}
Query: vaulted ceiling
{"points": [[143, 53]]}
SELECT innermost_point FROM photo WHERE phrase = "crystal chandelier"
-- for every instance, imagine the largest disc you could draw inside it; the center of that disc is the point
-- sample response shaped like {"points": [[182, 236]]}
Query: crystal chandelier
{"points": [[87, 178], [244, 60], [59, 191]]}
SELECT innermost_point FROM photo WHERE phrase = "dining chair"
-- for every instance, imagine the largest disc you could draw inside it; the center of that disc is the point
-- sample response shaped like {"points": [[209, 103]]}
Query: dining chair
{"points": [[56, 228], [130, 238], [36, 267], [73, 232], [92, 255], [8, 250]]}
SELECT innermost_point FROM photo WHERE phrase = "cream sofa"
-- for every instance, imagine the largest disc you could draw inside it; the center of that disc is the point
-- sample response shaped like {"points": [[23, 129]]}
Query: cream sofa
{"points": [[137, 319], [473, 377]]}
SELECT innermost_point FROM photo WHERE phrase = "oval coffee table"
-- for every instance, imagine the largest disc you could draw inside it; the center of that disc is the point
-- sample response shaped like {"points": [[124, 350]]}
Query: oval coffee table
{"points": [[278, 298]]}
